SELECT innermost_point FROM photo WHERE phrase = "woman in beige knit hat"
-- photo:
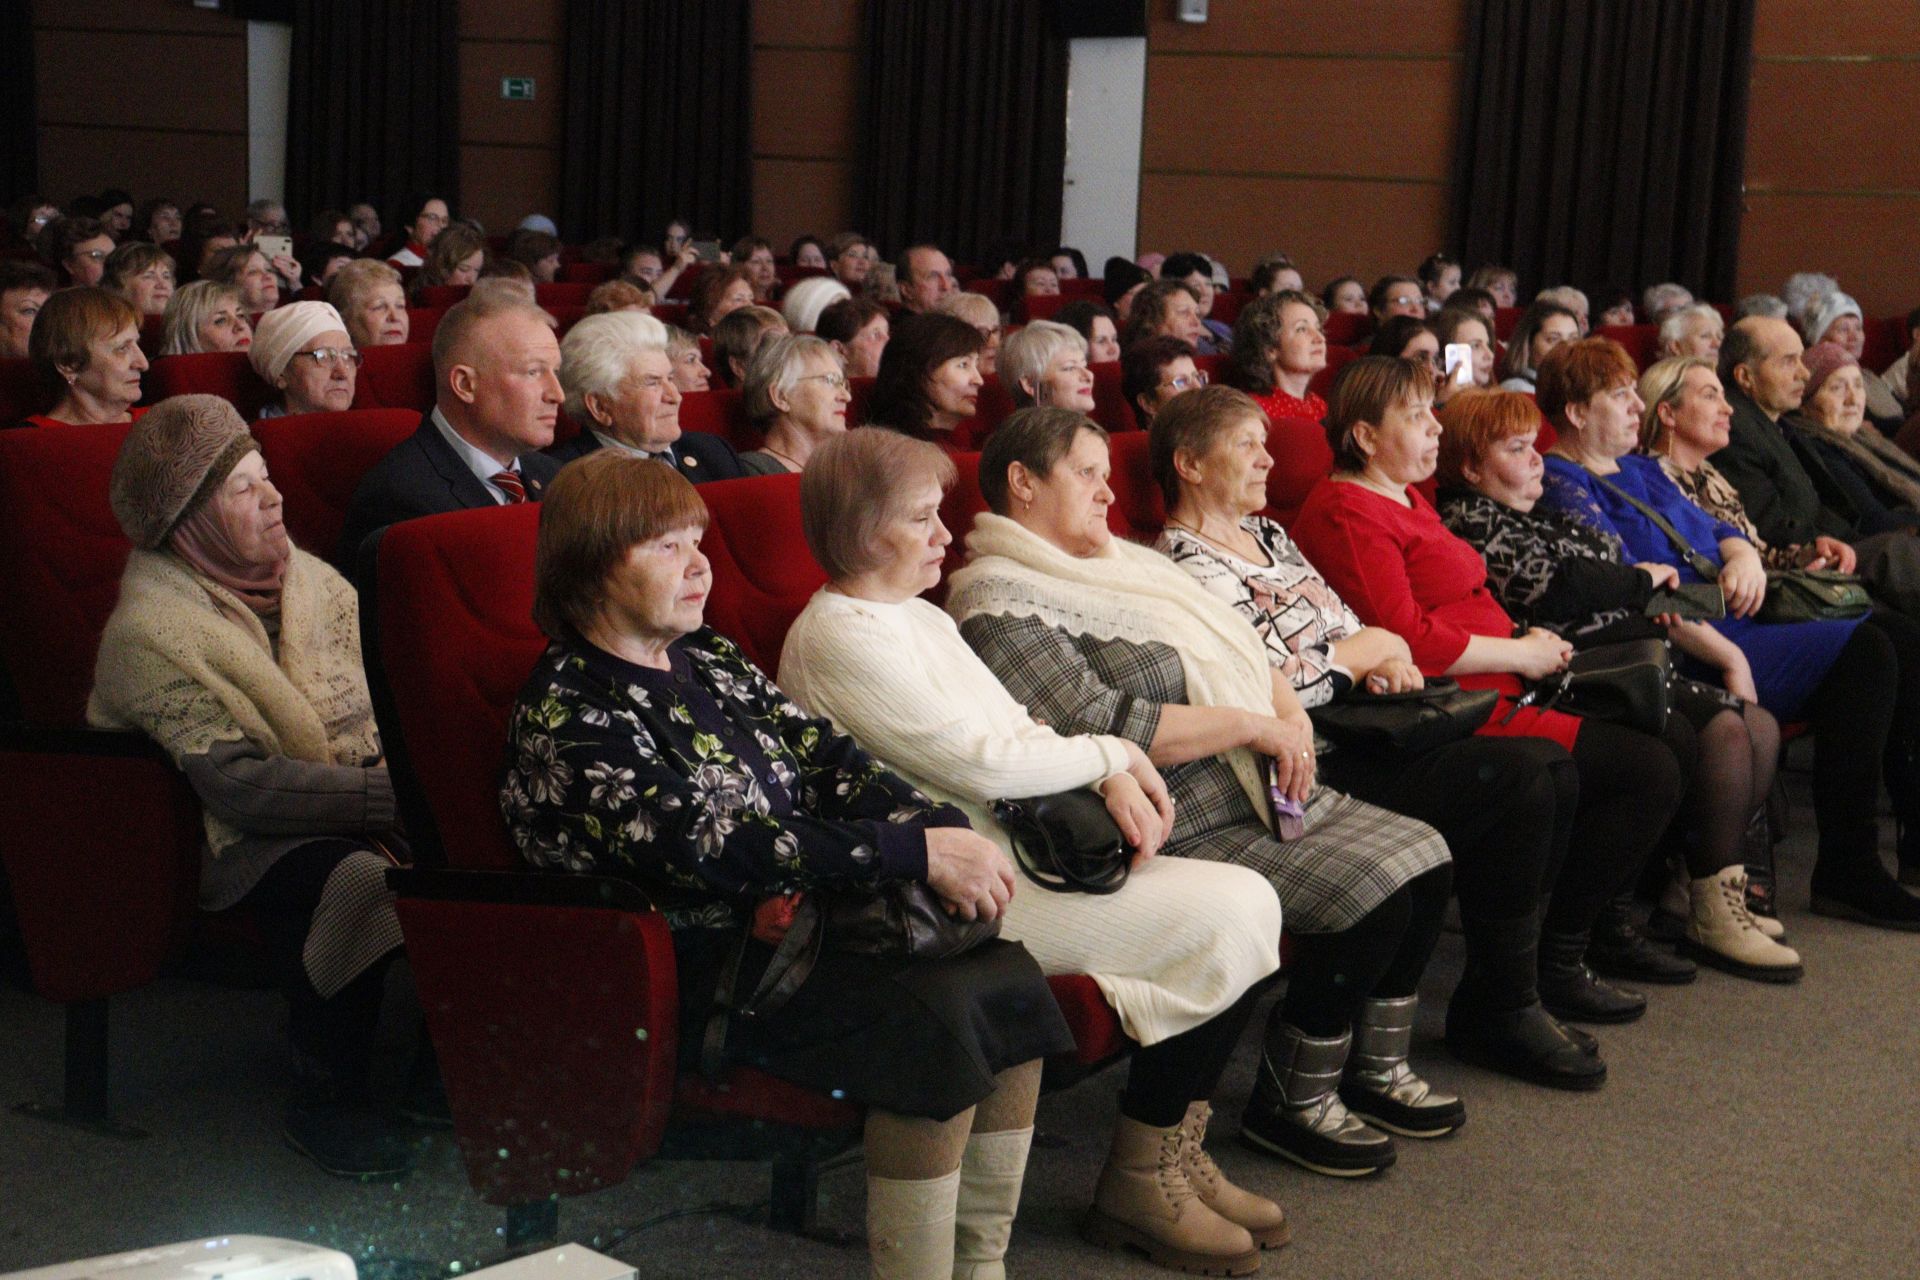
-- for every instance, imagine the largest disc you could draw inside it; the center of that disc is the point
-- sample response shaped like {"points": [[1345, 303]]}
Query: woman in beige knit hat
{"points": [[303, 351], [239, 654]]}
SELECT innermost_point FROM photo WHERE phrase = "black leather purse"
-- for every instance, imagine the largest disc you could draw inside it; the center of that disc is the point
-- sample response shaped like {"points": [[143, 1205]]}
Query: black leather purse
{"points": [[1409, 723], [1066, 842], [1629, 683]]}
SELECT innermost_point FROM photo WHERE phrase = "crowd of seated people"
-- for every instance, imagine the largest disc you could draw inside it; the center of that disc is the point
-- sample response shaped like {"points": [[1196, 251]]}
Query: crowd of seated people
{"points": [[1580, 483]]}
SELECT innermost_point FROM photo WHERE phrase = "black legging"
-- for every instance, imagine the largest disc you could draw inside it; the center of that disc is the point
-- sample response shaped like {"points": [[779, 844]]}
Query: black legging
{"points": [[1854, 737], [1630, 787], [1166, 1078], [1901, 761], [1381, 955]]}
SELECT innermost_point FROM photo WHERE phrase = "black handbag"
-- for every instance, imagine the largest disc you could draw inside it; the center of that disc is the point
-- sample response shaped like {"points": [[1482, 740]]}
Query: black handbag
{"points": [[1408, 723], [1066, 842], [1814, 595], [1629, 683]]}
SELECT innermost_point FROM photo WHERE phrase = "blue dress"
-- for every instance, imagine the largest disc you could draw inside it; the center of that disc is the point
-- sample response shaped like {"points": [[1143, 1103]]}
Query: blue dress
{"points": [[1789, 659]]}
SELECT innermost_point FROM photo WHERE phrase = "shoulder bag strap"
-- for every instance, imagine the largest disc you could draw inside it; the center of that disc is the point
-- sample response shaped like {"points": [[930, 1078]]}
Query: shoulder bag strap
{"points": [[1700, 564]]}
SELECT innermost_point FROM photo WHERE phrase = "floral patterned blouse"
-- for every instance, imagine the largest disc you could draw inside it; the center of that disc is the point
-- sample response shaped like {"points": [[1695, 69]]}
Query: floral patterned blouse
{"points": [[1299, 617], [703, 783], [1714, 494]]}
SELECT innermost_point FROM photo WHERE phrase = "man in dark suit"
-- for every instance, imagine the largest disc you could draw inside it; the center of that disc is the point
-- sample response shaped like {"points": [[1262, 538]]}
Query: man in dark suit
{"points": [[619, 386], [496, 367]]}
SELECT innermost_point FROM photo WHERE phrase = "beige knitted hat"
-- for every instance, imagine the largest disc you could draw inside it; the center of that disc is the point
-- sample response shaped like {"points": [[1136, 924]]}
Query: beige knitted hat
{"points": [[173, 457], [285, 330]]}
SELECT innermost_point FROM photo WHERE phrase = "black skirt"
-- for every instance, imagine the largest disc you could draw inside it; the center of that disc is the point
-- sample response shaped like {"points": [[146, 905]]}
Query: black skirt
{"points": [[914, 1037]]}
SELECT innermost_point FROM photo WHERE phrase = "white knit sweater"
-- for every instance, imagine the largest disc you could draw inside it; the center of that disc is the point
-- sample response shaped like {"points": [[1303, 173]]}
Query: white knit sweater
{"points": [[1175, 946]]}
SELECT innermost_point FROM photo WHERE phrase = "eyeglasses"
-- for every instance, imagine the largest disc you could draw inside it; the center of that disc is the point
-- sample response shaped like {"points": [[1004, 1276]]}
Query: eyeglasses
{"points": [[93, 255], [1403, 300], [329, 357], [1186, 381], [838, 381]]}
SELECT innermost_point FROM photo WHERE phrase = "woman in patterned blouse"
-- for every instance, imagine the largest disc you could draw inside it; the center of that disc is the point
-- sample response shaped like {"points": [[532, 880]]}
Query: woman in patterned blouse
{"points": [[645, 746]]}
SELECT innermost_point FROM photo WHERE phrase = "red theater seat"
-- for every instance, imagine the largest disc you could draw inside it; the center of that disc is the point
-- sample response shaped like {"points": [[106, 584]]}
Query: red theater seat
{"points": [[1887, 341], [1041, 306], [1504, 319], [226, 374], [316, 461], [1347, 329], [396, 376], [720, 412], [1338, 358], [588, 272], [565, 318], [1227, 304], [1137, 512], [21, 390], [561, 295], [1110, 407], [1642, 341], [763, 573], [422, 321], [1301, 459], [444, 295], [991, 410]]}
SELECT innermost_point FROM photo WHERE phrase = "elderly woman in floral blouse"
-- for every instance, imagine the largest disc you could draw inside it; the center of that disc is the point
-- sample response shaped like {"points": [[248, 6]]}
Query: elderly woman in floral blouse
{"points": [[646, 746]]}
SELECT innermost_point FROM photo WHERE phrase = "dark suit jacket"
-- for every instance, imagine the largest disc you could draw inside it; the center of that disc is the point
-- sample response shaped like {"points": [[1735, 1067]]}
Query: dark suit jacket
{"points": [[423, 476], [698, 455], [1788, 495]]}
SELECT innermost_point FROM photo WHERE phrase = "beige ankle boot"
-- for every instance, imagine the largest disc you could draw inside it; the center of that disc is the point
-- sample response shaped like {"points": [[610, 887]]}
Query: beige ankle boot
{"points": [[910, 1227], [1723, 933], [1264, 1220], [1144, 1202], [991, 1171]]}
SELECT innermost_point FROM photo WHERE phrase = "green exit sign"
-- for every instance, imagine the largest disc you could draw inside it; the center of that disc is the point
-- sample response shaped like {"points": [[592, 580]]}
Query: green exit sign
{"points": [[516, 88]]}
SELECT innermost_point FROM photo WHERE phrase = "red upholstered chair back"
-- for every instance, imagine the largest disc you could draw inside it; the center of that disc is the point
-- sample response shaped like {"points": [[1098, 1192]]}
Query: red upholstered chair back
{"points": [[61, 554], [152, 329], [1301, 459], [992, 410], [444, 295], [396, 376], [422, 321], [1213, 365], [565, 318], [763, 573], [1642, 341], [226, 374], [1504, 320], [787, 273], [561, 295], [1110, 407], [1090, 288], [589, 273], [957, 510], [1886, 342], [721, 412], [1348, 329], [456, 640], [1041, 306], [673, 313], [1338, 358], [316, 461], [1137, 512], [1227, 304], [1002, 292], [21, 391]]}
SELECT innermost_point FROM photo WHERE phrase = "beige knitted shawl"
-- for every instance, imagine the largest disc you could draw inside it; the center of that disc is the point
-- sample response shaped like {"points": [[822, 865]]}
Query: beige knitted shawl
{"points": [[186, 663], [1123, 592]]}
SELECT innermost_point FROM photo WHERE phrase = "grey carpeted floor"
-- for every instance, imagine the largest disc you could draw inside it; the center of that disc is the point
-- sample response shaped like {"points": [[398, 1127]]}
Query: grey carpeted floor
{"points": [[1746, 1131]]}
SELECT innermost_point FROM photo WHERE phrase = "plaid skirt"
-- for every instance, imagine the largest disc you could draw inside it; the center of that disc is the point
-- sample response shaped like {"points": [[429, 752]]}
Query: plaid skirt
{"points": [[1351, 859]]}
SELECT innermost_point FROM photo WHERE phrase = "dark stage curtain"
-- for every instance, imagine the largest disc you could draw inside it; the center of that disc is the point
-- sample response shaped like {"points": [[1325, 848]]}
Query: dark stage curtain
{"points": [[19, 155], [373, 111], [1604, 140], [963, 124], [658, 114]]}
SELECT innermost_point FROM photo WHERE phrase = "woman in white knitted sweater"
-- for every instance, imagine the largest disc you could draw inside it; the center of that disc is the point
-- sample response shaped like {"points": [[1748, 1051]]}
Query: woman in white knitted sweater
{"points": [[1176, 951]]}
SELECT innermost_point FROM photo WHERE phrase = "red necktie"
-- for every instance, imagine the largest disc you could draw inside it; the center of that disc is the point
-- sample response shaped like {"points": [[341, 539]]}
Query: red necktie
{"points": [[508, 482]]}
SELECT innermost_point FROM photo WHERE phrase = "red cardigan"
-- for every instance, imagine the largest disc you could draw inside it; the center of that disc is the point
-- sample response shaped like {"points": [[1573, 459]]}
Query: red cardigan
{"points": [[42, 420], [1401, 569]]}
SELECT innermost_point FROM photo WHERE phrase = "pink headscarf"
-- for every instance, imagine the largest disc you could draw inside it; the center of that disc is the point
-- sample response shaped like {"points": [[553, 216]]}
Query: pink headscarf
{"points": [[204, 539]]}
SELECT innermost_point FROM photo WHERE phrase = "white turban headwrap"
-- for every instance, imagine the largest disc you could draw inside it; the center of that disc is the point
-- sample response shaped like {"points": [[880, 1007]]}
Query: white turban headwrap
{"points": [[285, 330]]}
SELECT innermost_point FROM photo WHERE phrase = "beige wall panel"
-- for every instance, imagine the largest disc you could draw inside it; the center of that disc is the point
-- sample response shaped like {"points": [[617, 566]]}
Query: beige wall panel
{"points": [[1865, 242], [803, 103], [1830, 126], [76, 82], [1799, 28], [181, 166]]}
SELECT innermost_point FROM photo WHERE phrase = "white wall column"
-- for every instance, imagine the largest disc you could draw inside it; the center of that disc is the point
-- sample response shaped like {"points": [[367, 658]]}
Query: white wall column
{"points": [[269, 74], [1106, 112]]}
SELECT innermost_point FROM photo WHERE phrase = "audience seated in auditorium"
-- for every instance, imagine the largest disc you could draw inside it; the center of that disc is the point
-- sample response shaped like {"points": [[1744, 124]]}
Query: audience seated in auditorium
{"points": [[1572, 299], [245, 268], [25, 217], [858, 330], [1502, 282], [85, 346], [366, 225], [1439, 278], [269, 218], [537, 251], [204, 316], [1170, 308], [929, 380], [141, 273], [1036, 278], [116, 213], [978, 310], [805, 301], [1396, 296], [321, 262], [25, 287], [302, 351], [1541, 327], [239, 654], [1379, 543], [1469, 328], [1185, 678], [720, 291], [157, 221], [497, 396], [458, 256], [796, 396], [1344, 294], [1154, 371], [756, 255], [1832, 425], [1836, 674], [1046, 364], [1661, 300], [424, 222], [1837, 318], [618, 295], [618, 380], [1277, 348], [737, 336], [847, 259], [1095, 322], [807, 251], [1275, 274], [77, 248], [1196, 271], [1497, 801], [1176, 949], [1548, 569], [1478, 301], [369, 297], [944, 1055], [1408, 337], [333, 226], [1121, 282], [925, 276], [1693, 330], [1802, 290]]}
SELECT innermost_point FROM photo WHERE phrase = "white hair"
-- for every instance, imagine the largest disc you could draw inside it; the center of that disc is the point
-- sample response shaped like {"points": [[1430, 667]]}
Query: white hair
{"points": [[1567, 296], [1761, 304], [597, 355], [1803, 290], [1825, 310], [777, 367], [1674, 328], [1661, 300], [976, 309], [1027, 355], [806, 299]]}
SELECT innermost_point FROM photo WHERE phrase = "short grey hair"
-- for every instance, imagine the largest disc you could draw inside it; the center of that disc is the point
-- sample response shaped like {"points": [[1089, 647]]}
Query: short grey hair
{"points": [[776, 369], [596, 357], [1674, 328], [1803, 289], [1770, 305], [1661, 300], [188, 309], [976, 309], [1027, 355], [807, 298], [679, 341], [1567, 296]]}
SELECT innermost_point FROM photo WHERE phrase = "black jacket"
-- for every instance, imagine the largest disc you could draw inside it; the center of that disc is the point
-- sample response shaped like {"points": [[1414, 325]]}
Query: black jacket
{"points": [[1788, 492], [423, 476], [700, 456]]}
